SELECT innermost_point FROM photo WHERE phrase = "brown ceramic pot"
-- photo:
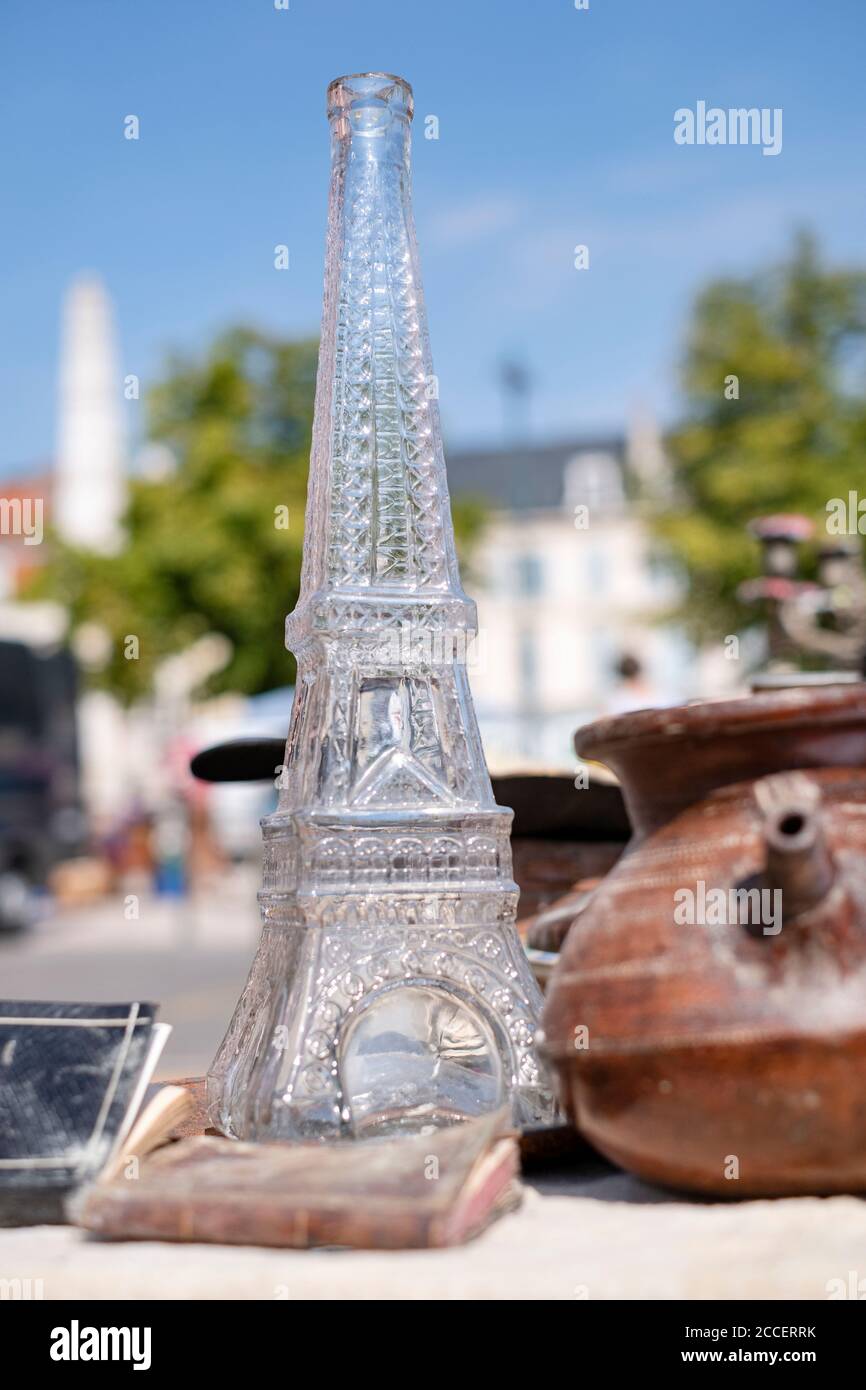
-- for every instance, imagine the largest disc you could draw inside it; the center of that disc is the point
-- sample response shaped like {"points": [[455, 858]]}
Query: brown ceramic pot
{"points": [[707, 1017]]}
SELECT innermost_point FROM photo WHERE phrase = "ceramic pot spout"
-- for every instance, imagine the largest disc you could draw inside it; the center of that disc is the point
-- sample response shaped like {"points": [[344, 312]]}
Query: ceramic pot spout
{"points": [[798, 860]]}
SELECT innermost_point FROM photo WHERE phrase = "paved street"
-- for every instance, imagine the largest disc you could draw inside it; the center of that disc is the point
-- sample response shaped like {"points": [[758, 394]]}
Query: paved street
{"points": [[190, 956]]}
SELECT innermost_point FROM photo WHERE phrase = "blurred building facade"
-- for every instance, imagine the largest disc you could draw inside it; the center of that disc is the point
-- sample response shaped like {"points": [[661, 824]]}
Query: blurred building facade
{"points": [[567, 584], [88, 500], [89, 494], [81, 498]]}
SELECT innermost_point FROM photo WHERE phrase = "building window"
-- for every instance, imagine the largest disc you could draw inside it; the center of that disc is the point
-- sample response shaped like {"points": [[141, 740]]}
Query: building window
{"points": [[527, 661], [530, 575], [593, 480], [596, 570]]}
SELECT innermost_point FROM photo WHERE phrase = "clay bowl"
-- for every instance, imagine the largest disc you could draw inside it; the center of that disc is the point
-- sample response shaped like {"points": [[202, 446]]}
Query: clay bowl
{"points": [[707, 1017]]}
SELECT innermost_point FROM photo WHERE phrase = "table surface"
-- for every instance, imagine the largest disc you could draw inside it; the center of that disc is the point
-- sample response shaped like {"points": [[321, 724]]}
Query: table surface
{"points": [[589, 1233], [592, 1234]]}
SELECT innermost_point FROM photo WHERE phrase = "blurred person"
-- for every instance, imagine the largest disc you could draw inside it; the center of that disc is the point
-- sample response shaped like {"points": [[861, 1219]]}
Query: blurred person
{"points": [[634, 690]]}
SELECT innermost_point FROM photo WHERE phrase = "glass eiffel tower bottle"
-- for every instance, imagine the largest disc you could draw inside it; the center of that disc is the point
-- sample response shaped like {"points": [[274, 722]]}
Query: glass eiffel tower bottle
{"points": [[389, 991]]}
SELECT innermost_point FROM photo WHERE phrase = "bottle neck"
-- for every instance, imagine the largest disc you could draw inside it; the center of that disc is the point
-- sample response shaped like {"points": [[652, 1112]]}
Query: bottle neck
{"points": [[378, 519], [368, 137]]}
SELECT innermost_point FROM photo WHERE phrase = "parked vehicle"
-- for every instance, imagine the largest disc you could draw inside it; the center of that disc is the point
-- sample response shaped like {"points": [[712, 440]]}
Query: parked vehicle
{"points": [[41, 820]]}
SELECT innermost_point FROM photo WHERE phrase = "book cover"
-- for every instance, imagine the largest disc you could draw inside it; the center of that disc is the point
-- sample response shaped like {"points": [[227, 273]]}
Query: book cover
{"points": [[72, 1078]]}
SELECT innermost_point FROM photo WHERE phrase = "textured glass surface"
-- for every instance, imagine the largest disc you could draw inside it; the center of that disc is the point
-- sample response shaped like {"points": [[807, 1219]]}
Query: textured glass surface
{"points": [[389, 990]]}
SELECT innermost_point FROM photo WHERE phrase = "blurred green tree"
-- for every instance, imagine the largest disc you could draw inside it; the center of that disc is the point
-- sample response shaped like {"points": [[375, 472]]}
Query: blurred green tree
{"points": [[774, 379], [213, 542]]}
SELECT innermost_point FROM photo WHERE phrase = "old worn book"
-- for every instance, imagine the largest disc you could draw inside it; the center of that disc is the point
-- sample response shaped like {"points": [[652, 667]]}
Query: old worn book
{"points": [[409, 1192], [164, 1115], [72, 1081]]}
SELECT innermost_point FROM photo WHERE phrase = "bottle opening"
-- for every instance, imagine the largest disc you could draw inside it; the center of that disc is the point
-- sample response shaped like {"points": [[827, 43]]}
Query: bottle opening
{"points": [[370, 92]]}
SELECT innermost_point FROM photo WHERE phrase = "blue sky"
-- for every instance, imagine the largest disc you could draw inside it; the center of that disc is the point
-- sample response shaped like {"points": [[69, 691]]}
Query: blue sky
{"points": [[555, 128]]}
